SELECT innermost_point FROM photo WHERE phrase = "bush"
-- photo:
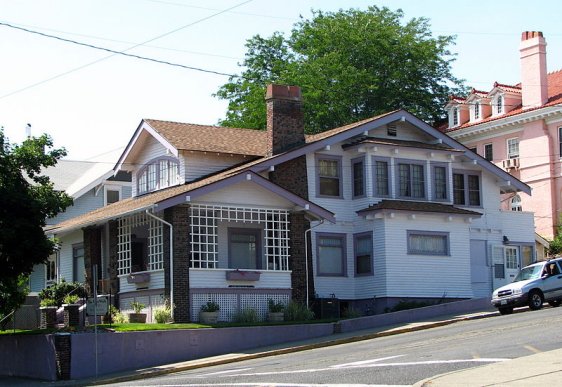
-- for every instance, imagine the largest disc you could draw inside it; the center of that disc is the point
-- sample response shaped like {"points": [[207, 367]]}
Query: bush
{"points": [[246, 316], [210, 306], [351, 313], [60, 290], [137, 306], [275, 306], [48, 302], [70, 299], [298, 312], [116, 316]]}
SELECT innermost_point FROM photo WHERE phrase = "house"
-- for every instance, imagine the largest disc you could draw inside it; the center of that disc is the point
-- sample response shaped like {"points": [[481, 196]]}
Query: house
{"points": [[519, 128], [370, 213], [91, 184]]}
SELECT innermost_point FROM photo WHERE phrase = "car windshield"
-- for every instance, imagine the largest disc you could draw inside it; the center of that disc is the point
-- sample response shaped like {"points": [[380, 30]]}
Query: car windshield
{"points": [[528, 273]]}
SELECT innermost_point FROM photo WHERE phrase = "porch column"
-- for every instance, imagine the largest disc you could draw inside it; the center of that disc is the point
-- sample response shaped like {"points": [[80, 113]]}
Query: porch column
{"points": [[92, 255], [178, 216], [297, 262], [113, 261]]}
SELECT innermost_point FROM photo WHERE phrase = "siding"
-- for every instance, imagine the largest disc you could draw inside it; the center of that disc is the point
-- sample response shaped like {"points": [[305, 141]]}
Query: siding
{"points": [[66, 263], [199, 164], [248, 194], [156, 282], [37, 278], [85, 203], [216, 278]]}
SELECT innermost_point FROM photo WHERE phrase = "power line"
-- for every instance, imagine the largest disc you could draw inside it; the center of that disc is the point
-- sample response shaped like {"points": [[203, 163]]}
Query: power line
{"points": [[123, 52]]}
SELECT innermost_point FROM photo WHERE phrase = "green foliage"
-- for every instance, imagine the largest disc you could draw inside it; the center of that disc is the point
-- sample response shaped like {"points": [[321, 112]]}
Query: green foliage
{"points": [[246, 316], [163, 314], [60, 290], [555, 246], [210, 306], [48, 302], [295, 311], [27, 199], [116, 316], [70, 299], [137, 306], [12, 295], [351, 65], [275, 306]]}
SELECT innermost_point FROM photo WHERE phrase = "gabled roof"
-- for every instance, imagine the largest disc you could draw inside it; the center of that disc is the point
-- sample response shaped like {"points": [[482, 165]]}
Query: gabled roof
{"points": [[165, 198], [409, 206]]}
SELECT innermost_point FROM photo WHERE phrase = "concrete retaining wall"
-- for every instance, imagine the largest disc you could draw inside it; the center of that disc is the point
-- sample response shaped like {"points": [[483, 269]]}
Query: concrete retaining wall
{"points": [[30, 356]]}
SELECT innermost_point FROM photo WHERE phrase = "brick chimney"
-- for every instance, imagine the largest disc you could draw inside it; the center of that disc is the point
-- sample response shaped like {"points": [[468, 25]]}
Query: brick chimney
{"points": [[285, 123], [534, 85]]}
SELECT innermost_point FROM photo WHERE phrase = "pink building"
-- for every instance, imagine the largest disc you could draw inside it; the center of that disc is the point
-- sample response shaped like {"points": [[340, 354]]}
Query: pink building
{"points": [[519, 128]]}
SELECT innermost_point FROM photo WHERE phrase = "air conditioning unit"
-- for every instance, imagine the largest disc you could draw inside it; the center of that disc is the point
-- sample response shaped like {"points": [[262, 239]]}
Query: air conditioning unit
{"points": [[509, 164]]}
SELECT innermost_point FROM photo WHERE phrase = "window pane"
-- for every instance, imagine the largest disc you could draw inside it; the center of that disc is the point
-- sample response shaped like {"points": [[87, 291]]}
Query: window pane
{"points": [[381, 171], [440, 181], [488, 152], [404, 179], [329, 187], [358, 181], [163, 173], [330, 260], [427, 244], [243, 251], [142, 181], [151, 177], [328, 168], [473, 190], [363, 251], [112, 196], [418, 181], [329, 179], [458, 189], [79, 268]]}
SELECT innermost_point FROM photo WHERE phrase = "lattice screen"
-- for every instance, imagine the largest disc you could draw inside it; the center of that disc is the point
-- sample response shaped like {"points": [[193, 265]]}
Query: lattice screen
{"points": [[232, 303], [155, 242], [204, 233]]}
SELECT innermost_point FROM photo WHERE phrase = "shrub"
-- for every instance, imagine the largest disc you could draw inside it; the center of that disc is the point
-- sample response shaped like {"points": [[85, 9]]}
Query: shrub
{"points": [[246, 316], [116, 315], [351, 313], [60, 290], [137, 306], [163, 314], [210, 306], [298, 312], [70, 299], [275, 306], [48, 302]]}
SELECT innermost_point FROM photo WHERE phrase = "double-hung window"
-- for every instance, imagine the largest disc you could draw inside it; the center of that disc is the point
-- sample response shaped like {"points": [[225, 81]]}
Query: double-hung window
{"points": [[363, 254], [466, 189], [489, 152], [476, 110], [428, 243], [440, 190], [381, 173], [499, 104], [329, 176], [455, 116], [411, 180], [331, 256], [512, 148], [358, 175]]}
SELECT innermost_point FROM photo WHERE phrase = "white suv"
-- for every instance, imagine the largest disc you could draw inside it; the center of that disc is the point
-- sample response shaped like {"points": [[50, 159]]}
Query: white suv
{"points": [[535, 284]]}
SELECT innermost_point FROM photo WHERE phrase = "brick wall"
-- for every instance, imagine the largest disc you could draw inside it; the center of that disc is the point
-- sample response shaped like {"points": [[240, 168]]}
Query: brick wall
{"points": [[113, 260], [285, 119], [178, 216], [297, 262], [92, 254]]}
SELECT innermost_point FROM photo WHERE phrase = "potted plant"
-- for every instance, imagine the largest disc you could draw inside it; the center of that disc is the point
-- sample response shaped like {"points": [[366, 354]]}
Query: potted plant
{"points": [[71, 310], [48, 309], [275, 311], [137, 316], [209, 313]]}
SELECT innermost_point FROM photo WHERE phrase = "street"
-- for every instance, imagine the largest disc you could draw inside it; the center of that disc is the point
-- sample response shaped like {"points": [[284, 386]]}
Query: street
{"points": [[395, 360]]}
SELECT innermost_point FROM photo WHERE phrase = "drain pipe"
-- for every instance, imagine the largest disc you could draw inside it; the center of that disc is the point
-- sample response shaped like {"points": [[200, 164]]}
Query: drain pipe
{"points": [[171, 259], [306, 258]]}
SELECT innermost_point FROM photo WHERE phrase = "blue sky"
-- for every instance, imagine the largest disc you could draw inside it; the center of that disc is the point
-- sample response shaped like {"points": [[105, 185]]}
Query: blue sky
{"points": [[91, 103]]}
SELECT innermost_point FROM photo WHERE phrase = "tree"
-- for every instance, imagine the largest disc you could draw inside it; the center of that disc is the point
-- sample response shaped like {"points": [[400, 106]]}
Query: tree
{"points": [[27, 199], [350, 65]]}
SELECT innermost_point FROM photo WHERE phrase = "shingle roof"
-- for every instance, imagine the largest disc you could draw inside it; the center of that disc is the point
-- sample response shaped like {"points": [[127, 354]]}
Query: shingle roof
{"points": [[404, 205], [212, 138]]}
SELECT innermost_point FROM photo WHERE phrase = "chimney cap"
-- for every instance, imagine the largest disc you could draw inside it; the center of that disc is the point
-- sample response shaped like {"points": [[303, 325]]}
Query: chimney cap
{"points": [[283, 92], [526, 35]]}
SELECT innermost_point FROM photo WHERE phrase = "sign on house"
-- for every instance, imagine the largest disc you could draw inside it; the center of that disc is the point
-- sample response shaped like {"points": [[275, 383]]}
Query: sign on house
{"points": [[99, 308]]}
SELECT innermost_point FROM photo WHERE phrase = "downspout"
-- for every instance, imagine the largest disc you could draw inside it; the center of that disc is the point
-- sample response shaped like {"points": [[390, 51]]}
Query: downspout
{"points": [[171, 258], [306, 257]]}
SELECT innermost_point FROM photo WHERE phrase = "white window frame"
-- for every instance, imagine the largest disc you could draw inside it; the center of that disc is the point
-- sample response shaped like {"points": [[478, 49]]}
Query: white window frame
{"points": [[117, 188], [414, 250], [150, 178], [510, 145]]}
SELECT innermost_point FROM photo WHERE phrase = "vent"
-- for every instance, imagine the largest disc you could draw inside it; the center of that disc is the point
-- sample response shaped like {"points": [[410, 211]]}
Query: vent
{"points": [[391, 130]]}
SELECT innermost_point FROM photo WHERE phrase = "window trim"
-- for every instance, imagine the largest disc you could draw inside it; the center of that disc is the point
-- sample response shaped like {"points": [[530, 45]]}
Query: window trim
{"points": [[509, 155], [356, 237], [434, 165], [154, 163], [343, 238], [428, 233], [117, 188], [246, 231], [354, 161], [491, 147], [410, 162], [466, 189], [387, 160], [338, 159]]}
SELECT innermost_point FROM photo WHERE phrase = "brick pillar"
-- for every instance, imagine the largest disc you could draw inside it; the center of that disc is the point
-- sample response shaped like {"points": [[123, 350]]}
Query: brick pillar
{"points": [[72, 315], [48, 316], [63, 355], [297, 263], [113, 261], [92, 254], [285, 118], [178, 216]]}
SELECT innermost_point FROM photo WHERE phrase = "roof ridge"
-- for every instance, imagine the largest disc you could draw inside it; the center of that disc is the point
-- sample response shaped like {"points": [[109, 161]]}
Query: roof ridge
{"points": [[202, 125]]}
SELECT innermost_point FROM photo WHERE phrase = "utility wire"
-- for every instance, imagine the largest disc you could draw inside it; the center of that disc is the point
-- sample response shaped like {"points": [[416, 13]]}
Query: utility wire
{"points": [[123, 52]]}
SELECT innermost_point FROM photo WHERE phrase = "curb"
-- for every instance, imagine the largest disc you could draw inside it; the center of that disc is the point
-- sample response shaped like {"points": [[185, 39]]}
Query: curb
{"points": [[196, 364]]}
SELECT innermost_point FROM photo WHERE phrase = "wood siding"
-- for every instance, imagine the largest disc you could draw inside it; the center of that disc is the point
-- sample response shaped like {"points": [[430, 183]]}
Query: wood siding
{"points": [[216, 278]]}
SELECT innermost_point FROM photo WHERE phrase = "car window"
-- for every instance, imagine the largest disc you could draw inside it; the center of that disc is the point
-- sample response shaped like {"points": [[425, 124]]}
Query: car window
{"points": [[529, 272]]}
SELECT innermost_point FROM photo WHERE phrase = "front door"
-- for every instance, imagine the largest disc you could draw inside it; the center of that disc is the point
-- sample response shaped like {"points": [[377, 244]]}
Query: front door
{"points": [[505, 264]]}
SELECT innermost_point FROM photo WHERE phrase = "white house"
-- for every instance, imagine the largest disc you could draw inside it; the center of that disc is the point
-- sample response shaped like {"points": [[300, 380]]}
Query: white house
{"points": [[377, 211]]}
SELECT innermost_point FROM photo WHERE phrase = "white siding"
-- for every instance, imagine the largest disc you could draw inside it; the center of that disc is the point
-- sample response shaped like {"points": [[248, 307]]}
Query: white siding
{"points": [[156, 282], [66, 263], [248, 194], [216, 278], [37, 278], [199, 164], [85, 203]]}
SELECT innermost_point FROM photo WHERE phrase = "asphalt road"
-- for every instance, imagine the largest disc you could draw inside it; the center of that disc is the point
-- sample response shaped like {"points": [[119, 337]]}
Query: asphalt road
{"points": [[395, 360]]}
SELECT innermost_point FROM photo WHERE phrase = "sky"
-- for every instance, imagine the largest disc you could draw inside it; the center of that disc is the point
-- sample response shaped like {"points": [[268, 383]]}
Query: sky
{"points": [[92, 101]]}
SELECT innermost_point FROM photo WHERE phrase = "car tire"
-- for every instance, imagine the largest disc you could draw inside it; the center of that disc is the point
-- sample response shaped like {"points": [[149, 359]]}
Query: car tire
{"points": [[554, 303], [507, 310], [535, 300]]}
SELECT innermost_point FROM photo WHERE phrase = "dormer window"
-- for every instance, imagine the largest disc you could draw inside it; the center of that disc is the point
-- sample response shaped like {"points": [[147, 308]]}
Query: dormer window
{"points": [[455, 113], [158, 174], [476, 110], [499, 104]]}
